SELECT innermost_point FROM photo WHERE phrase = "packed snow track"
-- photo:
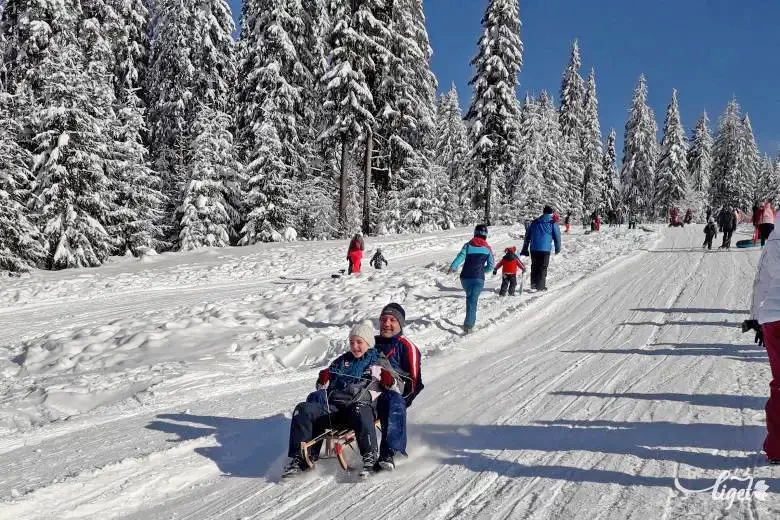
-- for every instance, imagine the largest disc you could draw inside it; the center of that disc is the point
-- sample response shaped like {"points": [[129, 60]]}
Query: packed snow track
{"points": [[587, 401]]}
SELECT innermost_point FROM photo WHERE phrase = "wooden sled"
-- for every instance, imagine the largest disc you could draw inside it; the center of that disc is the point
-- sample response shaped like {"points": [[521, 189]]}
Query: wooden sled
{"points": [[336, 440]]}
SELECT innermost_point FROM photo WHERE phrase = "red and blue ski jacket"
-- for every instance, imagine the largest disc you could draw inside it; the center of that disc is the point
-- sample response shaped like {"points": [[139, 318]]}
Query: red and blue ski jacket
{"points": [[477, 259], [404, 357], [511, 262]]}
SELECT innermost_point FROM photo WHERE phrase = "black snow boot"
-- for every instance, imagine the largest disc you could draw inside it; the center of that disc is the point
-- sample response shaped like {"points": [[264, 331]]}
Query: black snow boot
{"points": [[386, 463], [369, 463], [295, 466]]}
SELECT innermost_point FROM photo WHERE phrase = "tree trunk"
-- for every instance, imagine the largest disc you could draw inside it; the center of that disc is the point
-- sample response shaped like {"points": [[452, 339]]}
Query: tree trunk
{"points": [[488, 194], [367, 183], [343, 189]]}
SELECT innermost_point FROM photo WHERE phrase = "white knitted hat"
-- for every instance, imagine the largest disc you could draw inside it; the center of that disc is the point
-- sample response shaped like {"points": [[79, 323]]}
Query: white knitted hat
{"points": [[364, 331]]}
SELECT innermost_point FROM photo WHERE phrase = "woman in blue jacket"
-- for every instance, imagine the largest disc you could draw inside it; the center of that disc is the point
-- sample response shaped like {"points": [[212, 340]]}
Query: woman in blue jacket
{"points": [[477, 259]]}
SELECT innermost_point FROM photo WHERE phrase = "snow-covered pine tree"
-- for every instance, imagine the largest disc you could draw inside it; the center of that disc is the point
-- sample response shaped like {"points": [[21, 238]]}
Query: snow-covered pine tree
{"points": [[671, 179], [611, 195], [572, 122], [700, 156], [594, 180], [768, 181], [71, 139], [214, 54], [409, 125], [494, 102], [209, 211], [192, 68], [20, 247], [640, 154], [727, 158], [170, 94], [273, 95], [30, 30], [349, 104], [452, 153], [556, 159], [269, 190], [528, 195], [572, 110], [750, 166], [128, 33], [137, 200]]}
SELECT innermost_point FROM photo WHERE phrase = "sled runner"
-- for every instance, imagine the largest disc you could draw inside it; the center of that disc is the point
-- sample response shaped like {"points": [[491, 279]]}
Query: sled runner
{"points": [[336, 440]]}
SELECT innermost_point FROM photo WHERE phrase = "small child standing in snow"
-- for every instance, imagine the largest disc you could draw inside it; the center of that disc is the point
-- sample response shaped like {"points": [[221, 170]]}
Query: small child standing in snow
{"points": [[377, 259], [710, 232], [510, 264]]}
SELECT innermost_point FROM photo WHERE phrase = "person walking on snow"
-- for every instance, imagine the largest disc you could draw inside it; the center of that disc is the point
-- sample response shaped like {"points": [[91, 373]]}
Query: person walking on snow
{"points": [[404, 357], [355, 253], [347, 393], [567, 222], [377, 259], [765, 321], [766, 221], [727, 222], [509, 265], [710, 232], [538, 244], [476, 256]]}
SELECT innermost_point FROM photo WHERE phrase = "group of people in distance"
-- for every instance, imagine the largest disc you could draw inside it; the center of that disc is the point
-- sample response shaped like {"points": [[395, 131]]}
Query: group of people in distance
{"points": [[378, 378], [727, 219]]}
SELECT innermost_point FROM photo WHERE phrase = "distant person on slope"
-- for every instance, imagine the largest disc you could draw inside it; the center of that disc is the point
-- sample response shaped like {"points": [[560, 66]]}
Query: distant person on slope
{"points": [[538, 244], [765, 321], [355, 253], [710, 232], [766, 221], [510, 264], [567, 222], [404, 356], [347, 393], [377, 260], [727, 222], [476, 256]]}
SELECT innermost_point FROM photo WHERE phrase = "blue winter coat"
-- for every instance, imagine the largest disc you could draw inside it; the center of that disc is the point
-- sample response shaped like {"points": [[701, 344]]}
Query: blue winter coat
{"points": [[540, 236], [477, 259]]}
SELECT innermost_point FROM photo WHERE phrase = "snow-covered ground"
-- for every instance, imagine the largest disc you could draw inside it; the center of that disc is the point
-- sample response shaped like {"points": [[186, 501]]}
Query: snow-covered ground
{"points": [[162, 388]]}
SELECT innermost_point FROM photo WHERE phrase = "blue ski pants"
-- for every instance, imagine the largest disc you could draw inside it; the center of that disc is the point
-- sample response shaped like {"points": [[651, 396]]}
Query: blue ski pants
{"points": [[473, 288]]}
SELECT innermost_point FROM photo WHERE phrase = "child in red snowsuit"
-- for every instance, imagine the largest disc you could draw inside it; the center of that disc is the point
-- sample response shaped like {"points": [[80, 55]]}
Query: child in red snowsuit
{"points": [[510, 264], [355, 253]]}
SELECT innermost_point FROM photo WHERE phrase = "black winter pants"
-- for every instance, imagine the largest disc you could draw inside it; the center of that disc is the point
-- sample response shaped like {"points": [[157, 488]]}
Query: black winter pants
{"points": [[508, 281], [727, 239], [539, 264], [764, 230], [312, 419], [708, 241]]}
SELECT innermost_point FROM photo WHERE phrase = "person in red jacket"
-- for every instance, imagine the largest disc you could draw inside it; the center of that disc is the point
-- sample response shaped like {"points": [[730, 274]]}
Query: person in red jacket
{"points": [[510, 264], [355, 253]]}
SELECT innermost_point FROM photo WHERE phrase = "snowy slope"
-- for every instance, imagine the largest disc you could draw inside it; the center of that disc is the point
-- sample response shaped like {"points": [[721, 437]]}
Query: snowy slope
{"points": [[583, 402]]}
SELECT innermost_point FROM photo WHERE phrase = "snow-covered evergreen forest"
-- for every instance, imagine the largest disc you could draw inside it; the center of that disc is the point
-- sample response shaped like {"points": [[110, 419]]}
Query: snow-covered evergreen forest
{"points": [[141, 126]]}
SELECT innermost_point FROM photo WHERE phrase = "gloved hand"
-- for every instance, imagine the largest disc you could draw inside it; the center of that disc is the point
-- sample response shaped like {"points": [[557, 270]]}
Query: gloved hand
{"points": [[324, 377], [495, 272], [387, 378]]}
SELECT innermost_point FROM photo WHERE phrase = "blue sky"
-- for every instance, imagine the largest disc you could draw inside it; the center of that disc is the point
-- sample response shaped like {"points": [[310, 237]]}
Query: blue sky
{"points": [[710, 50]]}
